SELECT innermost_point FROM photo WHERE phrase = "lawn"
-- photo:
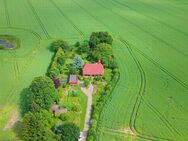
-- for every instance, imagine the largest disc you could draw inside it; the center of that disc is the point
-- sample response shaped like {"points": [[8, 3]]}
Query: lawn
{"points": [[150, 44], [69, 101]]}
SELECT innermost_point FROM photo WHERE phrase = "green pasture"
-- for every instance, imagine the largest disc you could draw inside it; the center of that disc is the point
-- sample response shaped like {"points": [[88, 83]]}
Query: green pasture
{"points": [[150, 44]]}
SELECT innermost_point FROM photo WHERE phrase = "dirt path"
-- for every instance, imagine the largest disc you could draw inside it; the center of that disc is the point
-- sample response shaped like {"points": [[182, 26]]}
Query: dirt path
{"points": [[88, 92]]}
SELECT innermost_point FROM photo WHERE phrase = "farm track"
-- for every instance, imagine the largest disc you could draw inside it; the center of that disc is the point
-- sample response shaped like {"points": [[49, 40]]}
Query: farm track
{"points": [[150, 17], [72, 23], [38, 19], [147, 32], [7, 13]]}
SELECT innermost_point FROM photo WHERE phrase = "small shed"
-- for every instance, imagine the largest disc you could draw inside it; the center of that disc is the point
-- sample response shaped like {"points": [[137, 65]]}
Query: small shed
{"points": [[73, 79]]}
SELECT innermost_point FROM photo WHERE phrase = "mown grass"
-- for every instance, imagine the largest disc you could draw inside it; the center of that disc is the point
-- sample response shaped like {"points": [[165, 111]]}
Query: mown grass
{"points": [[156, 31]]}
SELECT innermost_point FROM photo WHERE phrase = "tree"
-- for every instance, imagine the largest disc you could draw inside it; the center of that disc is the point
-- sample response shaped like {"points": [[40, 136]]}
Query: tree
{"points": [[104, 53], [78, 62], [73, 70], [36, 126], [100, 37], [42, 92], [59, 44], [84, 47], [86, 82], [68, 132]]}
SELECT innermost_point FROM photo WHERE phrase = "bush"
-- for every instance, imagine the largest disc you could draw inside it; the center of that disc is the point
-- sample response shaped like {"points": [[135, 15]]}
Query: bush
{"points": [[100, 37], [86, 83], [76, 107], [68, 132], [59, 44], [73, 70], [63, 117]]}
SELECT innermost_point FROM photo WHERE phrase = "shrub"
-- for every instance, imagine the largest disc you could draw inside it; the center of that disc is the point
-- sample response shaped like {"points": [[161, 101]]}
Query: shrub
{"points": [[86, 83], [100, 37], [68, 132], [63, 117]]}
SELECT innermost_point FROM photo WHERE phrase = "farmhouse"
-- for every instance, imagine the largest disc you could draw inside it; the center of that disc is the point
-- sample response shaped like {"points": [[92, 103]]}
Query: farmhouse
{"points": [[96, 69], [73, 80]]}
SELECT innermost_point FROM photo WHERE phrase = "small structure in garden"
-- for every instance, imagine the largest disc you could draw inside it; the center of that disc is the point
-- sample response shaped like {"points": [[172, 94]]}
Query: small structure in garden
{"points": [[96, 69], [57, 110], [73, 80]]}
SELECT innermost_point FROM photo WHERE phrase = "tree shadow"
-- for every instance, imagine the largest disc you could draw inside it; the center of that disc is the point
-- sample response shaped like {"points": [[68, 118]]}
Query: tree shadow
{"points": [[24, 102]]}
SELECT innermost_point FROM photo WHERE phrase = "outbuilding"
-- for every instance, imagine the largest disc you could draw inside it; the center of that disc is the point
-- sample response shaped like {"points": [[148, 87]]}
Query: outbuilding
{"points": [[73, 79]]}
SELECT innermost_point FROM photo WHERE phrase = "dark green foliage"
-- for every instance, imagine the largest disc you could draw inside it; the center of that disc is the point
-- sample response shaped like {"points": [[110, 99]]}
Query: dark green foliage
{"points": [[68, 132], [42, 93], [64, 117], [57, 61], [60, 44], [84, 47], [53, 72], [100, 37], [104, 53], [78, 62], [77, 44], [61, 60], [73, 69], [36, 126]]}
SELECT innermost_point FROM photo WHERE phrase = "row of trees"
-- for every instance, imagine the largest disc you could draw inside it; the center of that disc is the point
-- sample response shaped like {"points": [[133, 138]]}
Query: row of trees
{"points": [[56, 66], [38, 121]]}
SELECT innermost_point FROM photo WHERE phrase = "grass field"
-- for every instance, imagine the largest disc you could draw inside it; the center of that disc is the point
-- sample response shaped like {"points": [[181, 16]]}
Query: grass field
{"points": [[150, 43]]}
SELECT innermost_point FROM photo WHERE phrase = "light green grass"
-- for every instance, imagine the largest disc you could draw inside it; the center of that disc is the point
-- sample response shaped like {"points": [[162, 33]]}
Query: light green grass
{"points": [[156, 31]]}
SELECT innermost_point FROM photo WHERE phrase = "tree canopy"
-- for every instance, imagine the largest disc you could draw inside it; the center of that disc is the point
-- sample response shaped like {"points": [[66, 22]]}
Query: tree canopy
{"points": [[104, 53], [59, 44], [68, 132], [42, 93], [78, 62], [35, 127], [100, 37]]}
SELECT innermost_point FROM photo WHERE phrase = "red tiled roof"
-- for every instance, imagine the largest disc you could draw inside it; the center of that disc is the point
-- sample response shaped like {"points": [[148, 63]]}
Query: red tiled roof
{"points": [[93, 69]]}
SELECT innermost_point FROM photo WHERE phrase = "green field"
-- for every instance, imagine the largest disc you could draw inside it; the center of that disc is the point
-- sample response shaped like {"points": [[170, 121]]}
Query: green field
{"points": [[150, 43]]}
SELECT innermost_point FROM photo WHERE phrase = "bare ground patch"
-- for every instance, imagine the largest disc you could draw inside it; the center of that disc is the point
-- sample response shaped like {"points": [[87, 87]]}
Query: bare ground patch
{"points": [[12, 121]]}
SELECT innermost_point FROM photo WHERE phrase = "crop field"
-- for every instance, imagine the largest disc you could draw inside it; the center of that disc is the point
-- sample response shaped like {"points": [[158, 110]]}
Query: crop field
{"points": [[150, 44]]}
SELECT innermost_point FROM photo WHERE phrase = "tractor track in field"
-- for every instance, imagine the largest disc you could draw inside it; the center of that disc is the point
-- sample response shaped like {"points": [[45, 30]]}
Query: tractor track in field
{"points": [[161, 117], [141, 87], [165, 11], [150, 17], [7, 13], [68, 19], [38, 19], [132, 123], [91, 15], [142, 29], [183, 84]]}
